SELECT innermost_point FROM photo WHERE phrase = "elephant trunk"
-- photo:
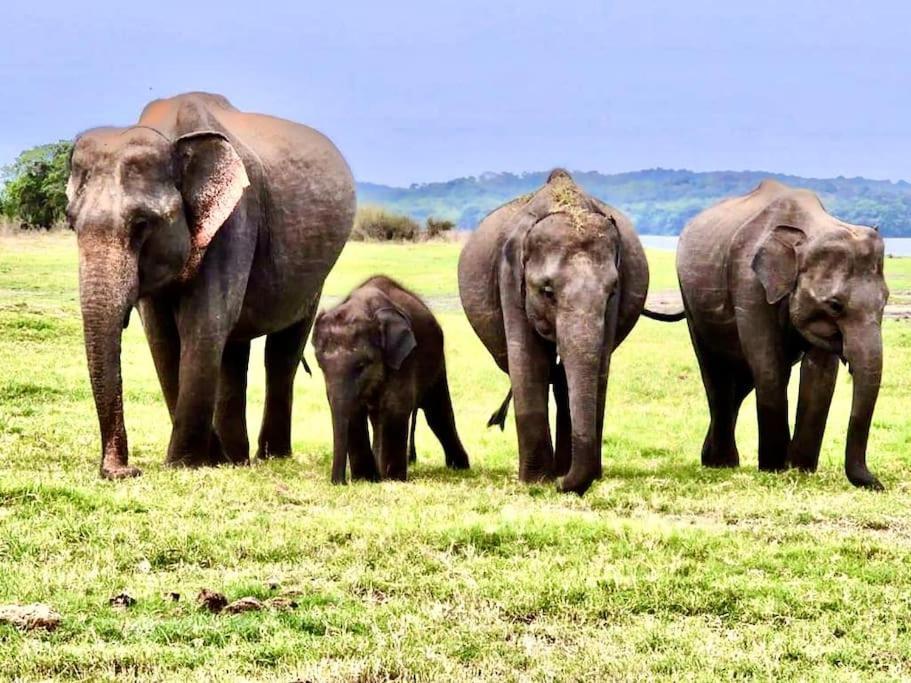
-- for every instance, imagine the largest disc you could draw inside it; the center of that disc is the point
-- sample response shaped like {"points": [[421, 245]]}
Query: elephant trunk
{"points": [[585, 353], [863, 351], [107, 292], [340, 403]]}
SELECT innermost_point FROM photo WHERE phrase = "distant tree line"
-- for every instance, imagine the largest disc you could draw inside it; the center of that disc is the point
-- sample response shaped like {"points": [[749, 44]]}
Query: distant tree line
{"points": [[659, 201]]}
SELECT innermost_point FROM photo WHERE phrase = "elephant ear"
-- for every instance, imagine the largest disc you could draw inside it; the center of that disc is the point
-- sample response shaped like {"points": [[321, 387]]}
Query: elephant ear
{"points": [[775, 261], [512, 268], [397, 337], [212, 179]]}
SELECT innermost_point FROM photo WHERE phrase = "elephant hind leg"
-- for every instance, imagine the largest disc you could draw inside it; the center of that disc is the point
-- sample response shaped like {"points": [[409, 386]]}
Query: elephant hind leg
{"points": [[726, 385], [283, 356], [441, 420], [230, 418]]}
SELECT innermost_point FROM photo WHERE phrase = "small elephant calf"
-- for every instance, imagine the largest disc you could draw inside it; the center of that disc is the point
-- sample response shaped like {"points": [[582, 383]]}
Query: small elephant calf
{"points": [[381, 352]]}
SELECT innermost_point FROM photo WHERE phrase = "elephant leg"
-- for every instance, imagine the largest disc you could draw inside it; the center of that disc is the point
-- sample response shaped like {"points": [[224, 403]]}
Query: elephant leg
{"points": [[563, 451], [283, 356], [363, 462], [192, 436], [231, 403], [164, 342], [441, 420], [818, 372], [772, 415], [412, 450], [725, 392], [392, 434]]}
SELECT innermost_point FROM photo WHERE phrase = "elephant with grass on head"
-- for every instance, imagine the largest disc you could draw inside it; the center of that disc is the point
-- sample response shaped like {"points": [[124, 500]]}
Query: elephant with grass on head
{"points": [[220, 226], [552, 283], [769, 279]]}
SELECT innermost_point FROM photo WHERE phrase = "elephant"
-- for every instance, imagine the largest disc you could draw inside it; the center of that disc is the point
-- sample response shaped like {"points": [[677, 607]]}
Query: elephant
{"points": [[219, 226], [770, 278], [381, 352], [552, 283]]}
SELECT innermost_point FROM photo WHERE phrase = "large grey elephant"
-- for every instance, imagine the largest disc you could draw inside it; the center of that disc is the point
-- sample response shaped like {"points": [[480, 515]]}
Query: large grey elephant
{"points": [[220, 226], [552, 283], [768, 279]]}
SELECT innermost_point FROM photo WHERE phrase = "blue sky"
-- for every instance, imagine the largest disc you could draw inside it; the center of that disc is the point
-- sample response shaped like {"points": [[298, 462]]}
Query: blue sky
{"points": [[421, 91]]}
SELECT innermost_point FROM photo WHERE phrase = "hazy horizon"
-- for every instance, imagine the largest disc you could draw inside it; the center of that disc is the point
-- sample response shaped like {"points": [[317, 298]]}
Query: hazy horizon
{"points": [[769, 172], [412, 92]]}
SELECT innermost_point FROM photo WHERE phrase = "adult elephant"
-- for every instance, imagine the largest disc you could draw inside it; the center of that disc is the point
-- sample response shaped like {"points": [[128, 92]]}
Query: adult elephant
{"points": [[552, 283], [768, 279], [220, 226]]}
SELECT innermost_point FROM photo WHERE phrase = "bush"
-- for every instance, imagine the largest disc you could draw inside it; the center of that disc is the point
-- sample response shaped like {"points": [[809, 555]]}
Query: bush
{"points": [[437, 227], [35, 190], [374, 223]]}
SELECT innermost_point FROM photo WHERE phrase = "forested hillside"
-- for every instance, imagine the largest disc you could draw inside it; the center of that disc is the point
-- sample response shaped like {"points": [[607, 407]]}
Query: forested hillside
{"points": [[660, 201]]}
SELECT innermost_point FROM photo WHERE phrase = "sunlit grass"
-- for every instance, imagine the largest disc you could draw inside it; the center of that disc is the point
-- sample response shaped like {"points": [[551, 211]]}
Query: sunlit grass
{"points": [[664, 570]]}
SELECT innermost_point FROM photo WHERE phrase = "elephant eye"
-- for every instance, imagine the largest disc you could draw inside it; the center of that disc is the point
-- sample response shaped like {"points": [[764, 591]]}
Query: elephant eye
{"points": [[835, 305], [547, 290], [139, 224]]}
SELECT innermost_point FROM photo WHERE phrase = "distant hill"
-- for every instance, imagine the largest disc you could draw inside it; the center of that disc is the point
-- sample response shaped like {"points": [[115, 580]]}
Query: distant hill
{"points": [[659, 201]]}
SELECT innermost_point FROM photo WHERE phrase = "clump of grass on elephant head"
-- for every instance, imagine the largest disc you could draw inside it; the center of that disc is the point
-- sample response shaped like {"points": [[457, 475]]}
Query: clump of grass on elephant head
{"points": [[569, 198]]}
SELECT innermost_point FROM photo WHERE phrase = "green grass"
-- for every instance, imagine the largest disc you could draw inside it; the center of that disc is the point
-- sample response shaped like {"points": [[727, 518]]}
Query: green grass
{"points": [[664, 570]]}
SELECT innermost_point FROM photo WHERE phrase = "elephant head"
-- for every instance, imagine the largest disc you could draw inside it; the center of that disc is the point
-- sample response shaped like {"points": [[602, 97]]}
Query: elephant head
{"points": [[144, 209], [834, 278], [564, 259], [357, 346]]}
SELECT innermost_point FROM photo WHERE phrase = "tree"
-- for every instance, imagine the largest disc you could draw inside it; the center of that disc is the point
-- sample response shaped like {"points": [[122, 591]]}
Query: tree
{"points": [[35, 189]]}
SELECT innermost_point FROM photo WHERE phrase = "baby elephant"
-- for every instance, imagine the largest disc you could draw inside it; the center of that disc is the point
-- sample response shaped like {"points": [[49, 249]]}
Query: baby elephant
{"points": [[381, 352]]}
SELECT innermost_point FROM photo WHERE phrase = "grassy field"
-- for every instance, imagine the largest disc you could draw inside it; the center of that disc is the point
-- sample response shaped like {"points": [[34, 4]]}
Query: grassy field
{"points": [[664, 570]]}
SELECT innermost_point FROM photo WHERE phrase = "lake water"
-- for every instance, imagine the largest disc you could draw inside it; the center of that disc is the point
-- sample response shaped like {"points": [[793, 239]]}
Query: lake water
{"points": [[895, 246]]}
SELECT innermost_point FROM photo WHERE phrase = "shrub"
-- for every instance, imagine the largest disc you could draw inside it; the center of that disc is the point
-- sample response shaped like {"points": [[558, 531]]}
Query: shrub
{"points": [[376, 223], [437, 227]]}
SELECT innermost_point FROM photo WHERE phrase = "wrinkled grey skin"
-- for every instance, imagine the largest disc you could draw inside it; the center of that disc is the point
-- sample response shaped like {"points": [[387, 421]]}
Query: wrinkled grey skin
{"points": [[555, 273], [220, 226], [768, 279], [381, 351]]}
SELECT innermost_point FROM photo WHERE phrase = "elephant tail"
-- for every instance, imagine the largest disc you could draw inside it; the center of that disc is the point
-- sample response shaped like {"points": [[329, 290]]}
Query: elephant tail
{"points": [[499, 417], [306, 367], [665, 317]]}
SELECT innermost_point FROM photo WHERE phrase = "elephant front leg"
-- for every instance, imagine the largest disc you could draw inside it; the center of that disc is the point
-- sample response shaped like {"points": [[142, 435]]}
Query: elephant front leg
{"points": [[191, 437], [392, 435], [231, 406], [763, 347], [818, 372], [360, 454], [772, 414]]}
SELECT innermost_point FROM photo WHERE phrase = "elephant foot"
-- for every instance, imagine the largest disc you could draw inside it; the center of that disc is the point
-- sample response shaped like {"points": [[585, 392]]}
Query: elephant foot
{"points": [[719, 457], [114, 472], [578, 481], [864, 479], [804, 464], [269, 451], [458, 462]]}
